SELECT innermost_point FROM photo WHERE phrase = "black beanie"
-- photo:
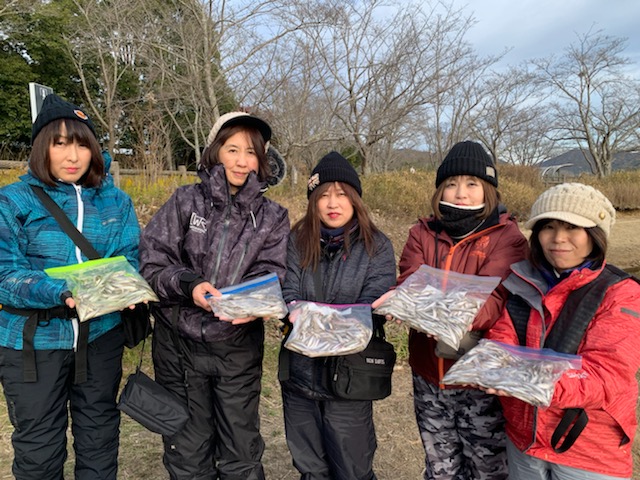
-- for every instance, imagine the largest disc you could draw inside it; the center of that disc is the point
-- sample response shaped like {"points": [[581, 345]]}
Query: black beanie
{"points": [[53, 108], [333, 167], [467, 158]]}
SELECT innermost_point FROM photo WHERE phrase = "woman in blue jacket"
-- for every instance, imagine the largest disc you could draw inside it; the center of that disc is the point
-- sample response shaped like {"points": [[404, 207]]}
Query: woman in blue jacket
{"points": [[50, 371], [332, 438]]}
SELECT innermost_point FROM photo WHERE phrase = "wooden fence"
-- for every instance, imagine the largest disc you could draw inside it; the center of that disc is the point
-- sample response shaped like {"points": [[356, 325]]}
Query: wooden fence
{"points": [[115, 170]]}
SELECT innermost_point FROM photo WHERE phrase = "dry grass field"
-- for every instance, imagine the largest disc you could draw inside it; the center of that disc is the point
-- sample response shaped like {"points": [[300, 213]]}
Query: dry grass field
{"points": [[399, 455]]}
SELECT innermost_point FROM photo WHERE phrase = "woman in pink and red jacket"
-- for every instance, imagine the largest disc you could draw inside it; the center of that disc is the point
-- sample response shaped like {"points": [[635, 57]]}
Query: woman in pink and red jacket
{"points": [[568, 285]]}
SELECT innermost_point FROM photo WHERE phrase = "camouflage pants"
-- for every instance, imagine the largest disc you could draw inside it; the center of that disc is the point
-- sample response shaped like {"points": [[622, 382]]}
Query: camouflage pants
{"points": [[462, 432]]}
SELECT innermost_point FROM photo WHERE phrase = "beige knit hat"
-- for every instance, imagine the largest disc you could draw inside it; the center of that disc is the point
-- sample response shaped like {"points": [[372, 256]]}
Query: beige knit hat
{"points": [[574, 203], [240, 118]]}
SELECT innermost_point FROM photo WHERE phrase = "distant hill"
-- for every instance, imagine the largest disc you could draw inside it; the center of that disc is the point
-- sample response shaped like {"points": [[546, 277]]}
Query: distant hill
{"points": [[576, 163]]}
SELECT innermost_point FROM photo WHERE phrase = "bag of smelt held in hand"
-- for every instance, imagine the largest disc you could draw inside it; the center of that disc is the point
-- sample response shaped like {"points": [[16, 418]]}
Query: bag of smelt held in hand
{"points": [[360, 361], [529, 374], [259, 297], [440, 303]]}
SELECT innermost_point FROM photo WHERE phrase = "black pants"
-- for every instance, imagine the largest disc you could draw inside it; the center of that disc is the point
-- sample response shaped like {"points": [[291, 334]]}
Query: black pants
{"points": [[39, 411], [330, 439], [221, 438]]}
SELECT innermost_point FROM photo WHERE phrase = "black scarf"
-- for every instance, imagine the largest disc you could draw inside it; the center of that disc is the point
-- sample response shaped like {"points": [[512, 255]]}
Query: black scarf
{"points": [[460, 222]]}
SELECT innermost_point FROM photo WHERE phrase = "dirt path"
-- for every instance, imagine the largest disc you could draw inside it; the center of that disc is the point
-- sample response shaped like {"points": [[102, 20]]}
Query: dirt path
{"points": [[624, 249]]}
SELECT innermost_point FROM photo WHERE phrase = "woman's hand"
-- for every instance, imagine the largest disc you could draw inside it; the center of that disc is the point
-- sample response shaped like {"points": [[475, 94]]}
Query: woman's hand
{"points": [[293, 316], [70, 302], [133, 307], [376, 303], [238, 321], [199, 292], [493, 391]]}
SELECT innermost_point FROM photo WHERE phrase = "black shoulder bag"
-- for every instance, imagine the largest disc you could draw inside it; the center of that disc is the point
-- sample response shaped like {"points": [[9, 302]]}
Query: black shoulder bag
{"points": [[151, 404], [136, 321], [365, 375]]}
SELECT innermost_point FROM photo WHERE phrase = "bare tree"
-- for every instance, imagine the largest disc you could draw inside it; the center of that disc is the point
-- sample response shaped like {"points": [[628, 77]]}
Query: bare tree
{"points": [[530, 143], [377, 63], [290, 94], [104, 52], [457, 89], [508, 104], [204, 56], [182, 61], [598, 105]]}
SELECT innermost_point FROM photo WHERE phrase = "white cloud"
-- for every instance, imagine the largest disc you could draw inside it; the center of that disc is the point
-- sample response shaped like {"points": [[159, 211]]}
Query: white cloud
{"points": [[539, 28]]}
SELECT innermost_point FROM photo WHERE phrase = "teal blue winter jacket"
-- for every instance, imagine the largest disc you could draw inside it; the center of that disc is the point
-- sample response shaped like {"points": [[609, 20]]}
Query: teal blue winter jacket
{"points": [[31, 241]]}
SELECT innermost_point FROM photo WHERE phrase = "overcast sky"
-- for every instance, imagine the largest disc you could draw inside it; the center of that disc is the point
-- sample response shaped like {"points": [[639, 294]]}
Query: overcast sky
{"points": [[537, 28]]}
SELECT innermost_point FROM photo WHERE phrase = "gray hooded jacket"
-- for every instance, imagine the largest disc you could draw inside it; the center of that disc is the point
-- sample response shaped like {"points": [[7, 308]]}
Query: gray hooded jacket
{"points": [[347, 278]]}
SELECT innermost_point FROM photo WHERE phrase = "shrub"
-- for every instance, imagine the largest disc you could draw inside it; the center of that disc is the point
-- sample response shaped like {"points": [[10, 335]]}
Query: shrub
{"points": [[620, 187]]}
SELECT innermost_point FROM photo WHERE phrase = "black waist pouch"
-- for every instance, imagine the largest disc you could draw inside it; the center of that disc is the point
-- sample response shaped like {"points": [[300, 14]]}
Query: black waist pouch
{"points": [[136, 323], [365, 375], [152, 405]]}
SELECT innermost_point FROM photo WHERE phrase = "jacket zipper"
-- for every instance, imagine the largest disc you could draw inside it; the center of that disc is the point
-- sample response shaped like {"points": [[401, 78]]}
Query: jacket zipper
{"points": [[223, 240], [80, 222], [79, 225], [447, 267]]}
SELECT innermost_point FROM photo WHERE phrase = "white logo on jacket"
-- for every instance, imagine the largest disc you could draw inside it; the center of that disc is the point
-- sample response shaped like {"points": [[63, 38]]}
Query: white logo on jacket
{"points": [[197, 223]]}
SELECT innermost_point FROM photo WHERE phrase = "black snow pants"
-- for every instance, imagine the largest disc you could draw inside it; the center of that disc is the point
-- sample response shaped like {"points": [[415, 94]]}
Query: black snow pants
{"points": [[330, 439], [39, 411], [221, 439]]}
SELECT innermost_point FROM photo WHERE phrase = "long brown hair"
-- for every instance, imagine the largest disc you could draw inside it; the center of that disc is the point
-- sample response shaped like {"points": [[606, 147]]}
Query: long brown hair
{"points": [[598, 238], [210, 154], [40, 162], [491, 199], [307, 229]]}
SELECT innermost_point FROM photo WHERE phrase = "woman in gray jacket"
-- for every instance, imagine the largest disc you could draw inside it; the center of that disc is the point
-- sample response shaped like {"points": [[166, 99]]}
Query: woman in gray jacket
{"points": [[329, 437], [216, 233]]}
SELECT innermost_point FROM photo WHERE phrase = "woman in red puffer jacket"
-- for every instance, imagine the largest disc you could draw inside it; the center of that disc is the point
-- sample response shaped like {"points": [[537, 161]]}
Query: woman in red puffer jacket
{"points": [[571, 224]]}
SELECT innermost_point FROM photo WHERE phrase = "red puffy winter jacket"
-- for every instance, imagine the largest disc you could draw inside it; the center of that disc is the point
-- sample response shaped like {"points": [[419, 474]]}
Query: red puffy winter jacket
{"points": [[606, 386]]}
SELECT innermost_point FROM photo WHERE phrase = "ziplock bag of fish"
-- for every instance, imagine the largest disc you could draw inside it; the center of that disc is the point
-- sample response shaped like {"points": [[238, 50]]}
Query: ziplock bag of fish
{"points": [[103, 286], [526, 373], [258, 297], [321, 330], [439, 302]]}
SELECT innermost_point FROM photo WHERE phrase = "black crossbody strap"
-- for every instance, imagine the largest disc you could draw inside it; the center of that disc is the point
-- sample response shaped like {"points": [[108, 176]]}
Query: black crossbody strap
{"points": [[577, 419], [67, 225], [70, 229]]}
